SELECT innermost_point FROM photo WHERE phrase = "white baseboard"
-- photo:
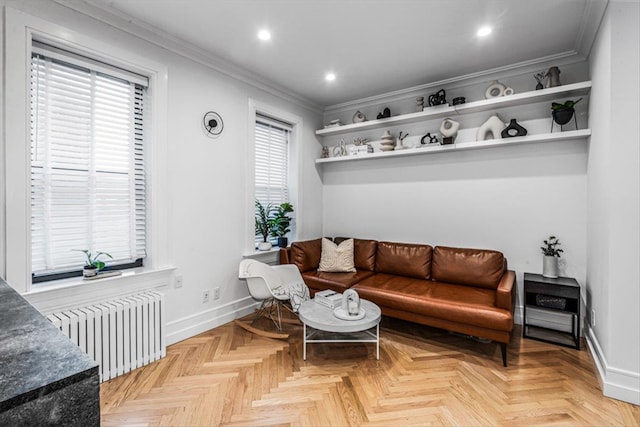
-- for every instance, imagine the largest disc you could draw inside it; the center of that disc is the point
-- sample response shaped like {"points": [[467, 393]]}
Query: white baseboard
{"points": [[616, 383], [197, 323]]}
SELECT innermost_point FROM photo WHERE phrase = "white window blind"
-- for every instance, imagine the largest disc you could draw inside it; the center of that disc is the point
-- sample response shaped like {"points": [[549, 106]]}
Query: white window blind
{"points": [[87, 162], [271, 161]]}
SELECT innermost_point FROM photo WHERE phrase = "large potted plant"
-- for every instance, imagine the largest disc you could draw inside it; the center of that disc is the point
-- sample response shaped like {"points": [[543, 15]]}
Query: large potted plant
{"points": [[281, 223], [551, 254], [93, 264], [264, 224]]}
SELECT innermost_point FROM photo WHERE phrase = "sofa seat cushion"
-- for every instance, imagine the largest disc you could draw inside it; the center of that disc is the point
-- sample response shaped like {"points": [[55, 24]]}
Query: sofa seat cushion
{"points": [[339, 282], [456, 303]]}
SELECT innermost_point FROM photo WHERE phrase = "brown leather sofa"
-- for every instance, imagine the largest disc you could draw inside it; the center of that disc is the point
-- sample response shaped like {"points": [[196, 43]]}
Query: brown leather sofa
{"points": [[469, 291]]}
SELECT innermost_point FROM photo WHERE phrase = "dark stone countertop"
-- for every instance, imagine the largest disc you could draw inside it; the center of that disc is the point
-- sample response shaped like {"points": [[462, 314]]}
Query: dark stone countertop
{"points": [[35, 357]]}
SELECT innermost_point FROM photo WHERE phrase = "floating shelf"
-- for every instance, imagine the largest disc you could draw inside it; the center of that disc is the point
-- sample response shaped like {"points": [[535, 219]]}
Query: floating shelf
{"points": [[518, 99], [463, 146]]}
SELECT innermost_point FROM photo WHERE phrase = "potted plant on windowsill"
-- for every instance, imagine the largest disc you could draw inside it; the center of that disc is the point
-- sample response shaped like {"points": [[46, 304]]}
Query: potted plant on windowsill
{"points": [[551, 254], [281, 223], [264, 224], [93, 264]]}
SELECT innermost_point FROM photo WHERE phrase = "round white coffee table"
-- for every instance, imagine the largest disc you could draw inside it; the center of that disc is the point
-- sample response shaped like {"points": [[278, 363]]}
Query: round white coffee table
{"points": [[317, 319]]}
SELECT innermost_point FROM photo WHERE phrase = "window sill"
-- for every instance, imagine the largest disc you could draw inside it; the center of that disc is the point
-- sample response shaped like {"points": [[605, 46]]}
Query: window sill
{"points": [[272, 256], [57, 295]]}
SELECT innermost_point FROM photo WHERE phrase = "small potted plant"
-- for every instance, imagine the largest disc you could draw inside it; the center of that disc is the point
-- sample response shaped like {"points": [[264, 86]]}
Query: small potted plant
{"points": [[93, 264], [281, 223], [264, 224], [562, 113], [551, 254]]}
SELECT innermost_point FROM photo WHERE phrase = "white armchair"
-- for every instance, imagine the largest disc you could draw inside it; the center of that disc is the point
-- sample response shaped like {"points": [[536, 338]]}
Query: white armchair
{"points": [[275, 286]]}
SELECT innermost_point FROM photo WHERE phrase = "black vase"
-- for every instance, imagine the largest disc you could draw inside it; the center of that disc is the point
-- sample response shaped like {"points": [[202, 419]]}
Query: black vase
{"points": [[562, 117], [283, 242], [514, 129]]}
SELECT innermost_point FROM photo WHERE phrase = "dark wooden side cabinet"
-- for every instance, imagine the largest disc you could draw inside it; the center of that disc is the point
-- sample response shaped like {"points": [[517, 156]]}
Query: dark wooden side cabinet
{"points": [[561, 294]]}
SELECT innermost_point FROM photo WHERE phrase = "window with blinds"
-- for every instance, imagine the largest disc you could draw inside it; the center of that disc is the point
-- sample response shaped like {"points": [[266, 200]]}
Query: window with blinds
{"points": [[87, 162], [271, 162]]}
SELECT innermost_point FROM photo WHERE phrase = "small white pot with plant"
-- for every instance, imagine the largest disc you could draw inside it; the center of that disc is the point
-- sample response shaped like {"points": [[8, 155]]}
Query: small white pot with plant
{"points": [[93, 264], [551, 255], [264, 224]]}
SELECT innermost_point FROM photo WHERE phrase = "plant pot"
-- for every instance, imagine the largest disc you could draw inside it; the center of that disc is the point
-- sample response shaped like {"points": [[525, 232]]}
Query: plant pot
{"points": [[89, 271], [562, 117], [550, 266], [283, 242], [264, 246]]}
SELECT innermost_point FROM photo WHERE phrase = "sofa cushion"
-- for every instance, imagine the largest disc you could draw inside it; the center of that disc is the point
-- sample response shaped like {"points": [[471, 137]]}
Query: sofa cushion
{"points": [[337, 258], [447, 301], [339, 282], [473, 267], [404, 259], [364, 252], [306, 254]]}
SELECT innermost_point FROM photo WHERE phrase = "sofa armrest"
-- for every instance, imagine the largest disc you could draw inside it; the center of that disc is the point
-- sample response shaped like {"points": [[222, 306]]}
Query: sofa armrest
{"points": [[506, 291], [285, 255]]}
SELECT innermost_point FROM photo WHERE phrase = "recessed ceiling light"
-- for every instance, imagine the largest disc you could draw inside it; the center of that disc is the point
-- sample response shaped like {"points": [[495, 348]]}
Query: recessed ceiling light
{"points": [[264, 35], [484, 31], [330, 77]]}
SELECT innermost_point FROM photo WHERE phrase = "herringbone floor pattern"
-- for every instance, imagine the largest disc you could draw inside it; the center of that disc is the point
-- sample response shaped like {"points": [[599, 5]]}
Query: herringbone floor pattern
{"points": [[425, 376]]}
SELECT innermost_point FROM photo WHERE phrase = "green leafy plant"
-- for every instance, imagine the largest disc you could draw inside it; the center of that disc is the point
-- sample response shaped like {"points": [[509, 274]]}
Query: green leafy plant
{"points": [[281, 221], [92, 260], [263, 220], [568, 105], [551, 247]]}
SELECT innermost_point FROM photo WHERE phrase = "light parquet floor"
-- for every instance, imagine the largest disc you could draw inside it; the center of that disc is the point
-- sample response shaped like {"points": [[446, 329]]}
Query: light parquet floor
{"points": [[425, 376]]}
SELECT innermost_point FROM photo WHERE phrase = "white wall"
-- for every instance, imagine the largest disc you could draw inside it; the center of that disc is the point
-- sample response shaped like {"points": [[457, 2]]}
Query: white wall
{"points": [[613, 283], [203, 211]]}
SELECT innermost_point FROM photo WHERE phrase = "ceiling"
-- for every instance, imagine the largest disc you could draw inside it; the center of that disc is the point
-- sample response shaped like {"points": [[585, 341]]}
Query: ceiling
{"points": [[373, 46]]}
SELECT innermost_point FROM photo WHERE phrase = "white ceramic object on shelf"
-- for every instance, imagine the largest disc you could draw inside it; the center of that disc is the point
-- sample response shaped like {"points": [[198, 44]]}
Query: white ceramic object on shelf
{"points": [[358, 117], [386, 142], [495, 90], [449, 128], [493, 126]]}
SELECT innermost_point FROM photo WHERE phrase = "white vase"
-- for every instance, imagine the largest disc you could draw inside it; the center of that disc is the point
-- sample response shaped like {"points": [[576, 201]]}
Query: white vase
{"points": [[493, 126], [550, 266], [495, 90], [264, 246]]}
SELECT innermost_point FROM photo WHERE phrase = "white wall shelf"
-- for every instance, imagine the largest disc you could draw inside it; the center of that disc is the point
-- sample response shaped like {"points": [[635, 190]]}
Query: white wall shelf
{"points": [[582, 134], [518, 99]]}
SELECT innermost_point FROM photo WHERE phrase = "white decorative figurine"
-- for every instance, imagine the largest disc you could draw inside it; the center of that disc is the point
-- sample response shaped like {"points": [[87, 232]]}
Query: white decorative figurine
{"points": [[351, 302], [449, 130], [493, 126]]}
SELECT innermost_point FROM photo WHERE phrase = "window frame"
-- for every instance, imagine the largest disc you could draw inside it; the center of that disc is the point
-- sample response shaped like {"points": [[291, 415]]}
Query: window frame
{"points": [[20, 30], [295, 140]]}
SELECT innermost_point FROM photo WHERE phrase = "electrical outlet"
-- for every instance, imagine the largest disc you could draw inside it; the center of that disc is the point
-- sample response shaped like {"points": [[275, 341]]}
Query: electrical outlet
{"points": [[593, 318], [216, 293], [178, 282], [205, 296]]}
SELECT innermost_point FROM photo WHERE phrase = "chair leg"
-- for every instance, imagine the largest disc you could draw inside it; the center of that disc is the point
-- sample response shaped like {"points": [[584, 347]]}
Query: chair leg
{"points": [[503, 350]]}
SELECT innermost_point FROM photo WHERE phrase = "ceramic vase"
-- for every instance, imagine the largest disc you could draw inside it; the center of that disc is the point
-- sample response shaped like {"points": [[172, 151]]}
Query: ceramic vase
{"points": [[495, 90], [550, 266], [386, 142], [358, 117], [493, 126], [514, 129], [449, 130]]}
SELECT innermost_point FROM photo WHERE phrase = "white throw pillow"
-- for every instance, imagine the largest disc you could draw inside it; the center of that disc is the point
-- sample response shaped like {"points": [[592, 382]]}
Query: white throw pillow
{"points": [[337, 258]]}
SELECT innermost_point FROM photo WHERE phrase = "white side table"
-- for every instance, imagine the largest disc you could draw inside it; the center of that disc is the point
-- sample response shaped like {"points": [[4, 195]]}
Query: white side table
{"points": [[318, 319]]}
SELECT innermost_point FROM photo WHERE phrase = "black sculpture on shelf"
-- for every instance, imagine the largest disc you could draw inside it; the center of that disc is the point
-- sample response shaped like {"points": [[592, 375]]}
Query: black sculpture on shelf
{"points": [[438, 98], [459, 100], [385, 113], [514, 129], [433, 139]]}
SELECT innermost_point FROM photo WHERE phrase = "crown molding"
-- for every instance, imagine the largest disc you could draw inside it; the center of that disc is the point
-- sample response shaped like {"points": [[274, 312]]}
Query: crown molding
{"points": [[590, 25], [524, 67], [157, 37]]}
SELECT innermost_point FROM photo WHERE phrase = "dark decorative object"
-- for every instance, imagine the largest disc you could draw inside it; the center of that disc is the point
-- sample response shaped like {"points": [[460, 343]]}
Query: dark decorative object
{"points": [[514, 129], [551, 302], [553, 77], [385, 113], [438, 98], [562, 113], [459, 100], [540, 78], [212, 124], [433, 139], [283, 242]]}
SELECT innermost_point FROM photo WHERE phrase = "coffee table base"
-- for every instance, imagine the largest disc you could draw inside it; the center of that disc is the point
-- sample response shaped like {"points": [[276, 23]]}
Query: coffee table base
{"points": [[366, 336]]}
